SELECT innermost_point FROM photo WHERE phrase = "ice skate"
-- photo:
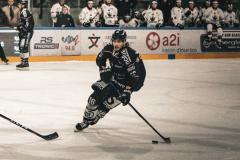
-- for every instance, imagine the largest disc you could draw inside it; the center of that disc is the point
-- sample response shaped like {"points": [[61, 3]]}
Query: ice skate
{"points": [[5, 61], [23, 66], [81, 126]]}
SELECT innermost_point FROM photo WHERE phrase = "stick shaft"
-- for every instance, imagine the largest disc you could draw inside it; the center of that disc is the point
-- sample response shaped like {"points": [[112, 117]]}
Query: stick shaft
{"points": [[146, 121], [20, 125]]}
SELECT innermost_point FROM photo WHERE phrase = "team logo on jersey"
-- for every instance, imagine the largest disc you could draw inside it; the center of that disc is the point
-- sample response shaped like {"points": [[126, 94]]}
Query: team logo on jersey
{"points": [[125, 56], [153, 41], [94, 40]]}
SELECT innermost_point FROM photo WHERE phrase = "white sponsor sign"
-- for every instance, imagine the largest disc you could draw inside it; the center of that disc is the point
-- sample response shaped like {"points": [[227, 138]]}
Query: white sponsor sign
{"points": [[190, 41], [91, 41], [161, 41], [144, 41], [71, 42], [46, 43]]}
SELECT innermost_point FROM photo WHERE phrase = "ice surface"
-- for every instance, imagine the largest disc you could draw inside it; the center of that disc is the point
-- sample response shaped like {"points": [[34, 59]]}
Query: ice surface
{"points": [[195, 102]]}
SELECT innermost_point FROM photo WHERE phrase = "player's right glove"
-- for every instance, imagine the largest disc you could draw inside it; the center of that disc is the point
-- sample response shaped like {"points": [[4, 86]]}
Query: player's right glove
{"points": [[105, 74], [125, 97], [188, 13], [180, 26], [86, 24]]}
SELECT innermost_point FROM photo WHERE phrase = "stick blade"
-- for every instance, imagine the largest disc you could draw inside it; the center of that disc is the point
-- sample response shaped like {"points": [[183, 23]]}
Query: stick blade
{"points": [[50, 136], [168, 140]]}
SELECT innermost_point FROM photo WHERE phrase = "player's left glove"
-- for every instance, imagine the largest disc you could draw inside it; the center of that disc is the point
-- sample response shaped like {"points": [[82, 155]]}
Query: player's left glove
{"points": [[125, 96], [105, 74]]}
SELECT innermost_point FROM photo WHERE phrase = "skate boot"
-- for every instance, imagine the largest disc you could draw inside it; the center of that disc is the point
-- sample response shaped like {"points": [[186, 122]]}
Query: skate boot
{"points": [[81, 126], [24, 65], [5, 61]]}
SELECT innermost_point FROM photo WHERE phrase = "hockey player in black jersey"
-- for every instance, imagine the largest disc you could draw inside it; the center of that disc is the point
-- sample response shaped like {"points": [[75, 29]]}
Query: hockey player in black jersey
{"points": [[25, 34], [121, 72], [3, 56]]}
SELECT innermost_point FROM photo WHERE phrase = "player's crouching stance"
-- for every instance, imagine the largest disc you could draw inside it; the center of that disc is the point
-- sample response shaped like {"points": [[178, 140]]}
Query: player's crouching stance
{"points": [[25, 34], [126, 75]]}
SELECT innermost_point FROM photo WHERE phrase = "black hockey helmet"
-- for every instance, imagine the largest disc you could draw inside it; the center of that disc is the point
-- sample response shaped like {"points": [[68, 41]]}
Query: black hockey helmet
{"points": [[119, 34]]}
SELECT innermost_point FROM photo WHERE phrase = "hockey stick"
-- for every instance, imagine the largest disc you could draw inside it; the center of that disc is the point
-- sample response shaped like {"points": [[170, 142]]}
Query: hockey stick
{"points": [[46, 137], [166, 139]]}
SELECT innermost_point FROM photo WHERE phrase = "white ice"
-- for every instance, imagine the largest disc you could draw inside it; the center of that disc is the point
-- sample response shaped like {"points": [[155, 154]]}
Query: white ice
{"points": [[195, 102]]}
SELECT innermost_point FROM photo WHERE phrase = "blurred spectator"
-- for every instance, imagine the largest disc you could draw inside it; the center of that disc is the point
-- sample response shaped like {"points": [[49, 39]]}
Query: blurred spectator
{"points": [[57, 9], [230, 18], [166, 6], [191, 15], [138, 19], [153, 16], [127, 22], [238, 15], [3, 18], [214, 18], [124, 7], [64, 19], [11, 11], [99, 10], [207, 4], [177, 15], [109, 14], [89, 16]]}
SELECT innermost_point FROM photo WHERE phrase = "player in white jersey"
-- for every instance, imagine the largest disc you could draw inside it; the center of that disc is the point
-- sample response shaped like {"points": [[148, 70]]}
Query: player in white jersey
{"points": [[89, 16], [57, 9], [153, 16], [214, 19], [109, 14], [177, 15], [203, 10], [230, 18], [191, 15]]}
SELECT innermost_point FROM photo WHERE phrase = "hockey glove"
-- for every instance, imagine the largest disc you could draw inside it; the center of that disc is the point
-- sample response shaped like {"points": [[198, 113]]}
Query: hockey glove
{"points": [[188, 13], [158, 25], [125, 97], [105, 74], [218, 25], [180, 26], [85, 24]]}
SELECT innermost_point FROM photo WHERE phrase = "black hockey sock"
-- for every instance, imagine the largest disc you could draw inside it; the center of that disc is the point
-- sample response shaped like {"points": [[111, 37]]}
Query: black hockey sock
{"points": [[25, 60], [2, 54]]}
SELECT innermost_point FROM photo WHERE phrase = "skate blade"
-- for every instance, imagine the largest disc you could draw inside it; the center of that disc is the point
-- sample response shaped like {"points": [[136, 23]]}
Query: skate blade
{"points": [[76, 130], [23, 69]]}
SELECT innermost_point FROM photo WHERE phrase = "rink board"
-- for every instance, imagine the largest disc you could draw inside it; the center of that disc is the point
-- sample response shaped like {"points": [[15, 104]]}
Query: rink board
{"points": [[144, 56], [157, 44]]}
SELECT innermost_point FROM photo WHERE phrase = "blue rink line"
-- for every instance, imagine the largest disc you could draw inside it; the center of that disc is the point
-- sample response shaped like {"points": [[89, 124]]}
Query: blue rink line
{"points": [[171, 56]]}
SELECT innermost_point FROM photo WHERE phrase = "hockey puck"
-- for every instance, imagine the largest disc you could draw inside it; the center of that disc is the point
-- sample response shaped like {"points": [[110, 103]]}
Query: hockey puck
{"points": [[154, 142]]}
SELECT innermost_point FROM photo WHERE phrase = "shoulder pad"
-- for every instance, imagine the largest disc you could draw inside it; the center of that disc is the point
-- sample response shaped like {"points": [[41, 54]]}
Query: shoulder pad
{"points": [[108, 47]]}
